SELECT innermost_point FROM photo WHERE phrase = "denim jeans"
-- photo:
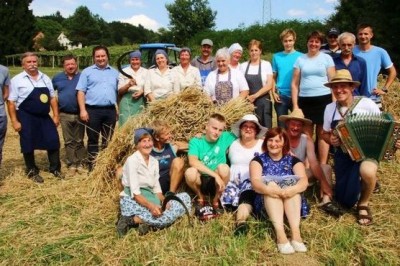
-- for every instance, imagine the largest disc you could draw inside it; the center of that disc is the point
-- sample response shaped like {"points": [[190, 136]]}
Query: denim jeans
{"points": [[283, 108]]}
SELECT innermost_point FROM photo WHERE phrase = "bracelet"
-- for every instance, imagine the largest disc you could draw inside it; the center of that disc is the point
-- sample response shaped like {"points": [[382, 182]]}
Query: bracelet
{"points": [[384, 89]]}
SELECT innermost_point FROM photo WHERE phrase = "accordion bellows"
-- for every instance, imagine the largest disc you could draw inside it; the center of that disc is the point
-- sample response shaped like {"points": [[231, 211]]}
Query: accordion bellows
{"points": [[369, 136]]}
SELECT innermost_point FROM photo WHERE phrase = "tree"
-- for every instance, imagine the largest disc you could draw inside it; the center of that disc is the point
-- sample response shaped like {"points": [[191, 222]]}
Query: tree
{"points": [[83, 27], [381, 14], [189, 17], [51, 30], [17, 26]]}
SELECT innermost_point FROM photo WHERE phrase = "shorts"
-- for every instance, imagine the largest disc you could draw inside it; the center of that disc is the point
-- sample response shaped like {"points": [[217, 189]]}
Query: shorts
{"points": [[207, 186], [314, 107]]}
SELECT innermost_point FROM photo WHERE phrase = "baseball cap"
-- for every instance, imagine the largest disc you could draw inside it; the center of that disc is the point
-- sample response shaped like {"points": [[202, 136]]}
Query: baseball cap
{"points": [[333, 31], [207, 42]]}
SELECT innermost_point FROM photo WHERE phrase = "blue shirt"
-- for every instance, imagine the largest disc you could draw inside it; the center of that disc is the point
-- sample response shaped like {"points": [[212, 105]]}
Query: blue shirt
{"points": [[358, 70], [314, 74], [282, 65], [67, 101], [99, 84], [376, 58]]}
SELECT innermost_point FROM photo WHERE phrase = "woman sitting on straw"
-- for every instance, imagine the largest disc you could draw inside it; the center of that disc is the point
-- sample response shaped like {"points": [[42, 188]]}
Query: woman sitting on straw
{"points": [[141, 198], [280, 178], [238, 192]]}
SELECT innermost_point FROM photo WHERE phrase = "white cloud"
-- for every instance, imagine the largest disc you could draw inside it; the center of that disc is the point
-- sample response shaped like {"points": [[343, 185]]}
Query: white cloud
{"points": [[143, 20], [322, 12], [131, 3], [296, 13], [331, 1], [108, 6]]}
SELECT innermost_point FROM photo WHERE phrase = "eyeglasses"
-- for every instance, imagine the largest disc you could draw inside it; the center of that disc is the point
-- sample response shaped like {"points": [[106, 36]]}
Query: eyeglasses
{"points": [[248, 127]]}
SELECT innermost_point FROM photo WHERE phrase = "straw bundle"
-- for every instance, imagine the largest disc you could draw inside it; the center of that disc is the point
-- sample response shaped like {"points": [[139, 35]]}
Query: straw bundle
{"points": [[186, 112]]}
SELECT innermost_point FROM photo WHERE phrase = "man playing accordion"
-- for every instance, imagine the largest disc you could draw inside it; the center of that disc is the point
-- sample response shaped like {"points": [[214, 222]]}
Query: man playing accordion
{"points": [[348, 188]]}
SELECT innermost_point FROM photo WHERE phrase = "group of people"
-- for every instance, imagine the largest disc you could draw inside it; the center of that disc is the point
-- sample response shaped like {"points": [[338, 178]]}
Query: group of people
{"points": [[253, 169]]}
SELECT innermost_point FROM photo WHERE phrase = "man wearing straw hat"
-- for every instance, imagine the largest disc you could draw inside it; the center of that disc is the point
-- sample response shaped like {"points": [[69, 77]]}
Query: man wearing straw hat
{"points": [[303, 147], [348, 188]]}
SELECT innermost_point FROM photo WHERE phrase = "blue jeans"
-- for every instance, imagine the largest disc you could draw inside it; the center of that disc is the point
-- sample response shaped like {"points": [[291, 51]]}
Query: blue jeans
{"points": [[283, 108]]}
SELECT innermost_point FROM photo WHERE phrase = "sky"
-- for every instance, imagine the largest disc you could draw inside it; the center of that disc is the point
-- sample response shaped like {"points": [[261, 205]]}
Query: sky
{"points": [[231, 14]]}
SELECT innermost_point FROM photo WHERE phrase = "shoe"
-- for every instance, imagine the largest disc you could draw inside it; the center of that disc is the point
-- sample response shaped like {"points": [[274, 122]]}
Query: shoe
{"points": [[58, 174], [367, 216], [204, 212], [123, 225], [169, 193], [285, 248], [331, 208], [143, 229], [298, 246], [241, 229], [36, 178], [377, 187]]}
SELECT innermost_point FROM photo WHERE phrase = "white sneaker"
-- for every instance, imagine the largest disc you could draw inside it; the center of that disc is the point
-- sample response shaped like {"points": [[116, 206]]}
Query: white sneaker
{"points": [[298, 246], [285, 248]]}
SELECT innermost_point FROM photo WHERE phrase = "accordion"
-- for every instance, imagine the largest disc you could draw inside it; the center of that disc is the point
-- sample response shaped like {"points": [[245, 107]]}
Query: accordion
{"points": [[369, 136]]}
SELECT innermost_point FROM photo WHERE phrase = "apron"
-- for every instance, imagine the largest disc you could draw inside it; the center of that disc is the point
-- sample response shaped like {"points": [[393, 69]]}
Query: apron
{"points": [[263, 104], [223, 89], [347, 175], [38, 130], [129, 106]]}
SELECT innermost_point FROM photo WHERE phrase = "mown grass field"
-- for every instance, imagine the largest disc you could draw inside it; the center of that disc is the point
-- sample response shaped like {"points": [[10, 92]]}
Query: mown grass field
{"points": [[66, 222]]}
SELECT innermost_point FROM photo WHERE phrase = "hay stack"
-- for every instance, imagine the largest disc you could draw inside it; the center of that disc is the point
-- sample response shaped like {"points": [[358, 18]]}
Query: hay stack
{"points": [[186, 112], [391, 100]]}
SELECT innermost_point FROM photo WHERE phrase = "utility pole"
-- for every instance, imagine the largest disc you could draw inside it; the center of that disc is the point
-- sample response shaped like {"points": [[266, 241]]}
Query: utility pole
{"points": [[267, 11]]}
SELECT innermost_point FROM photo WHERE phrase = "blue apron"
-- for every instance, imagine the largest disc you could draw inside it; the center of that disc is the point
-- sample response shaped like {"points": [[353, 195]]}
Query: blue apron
{"points": [[347, 174], [38, 131]]}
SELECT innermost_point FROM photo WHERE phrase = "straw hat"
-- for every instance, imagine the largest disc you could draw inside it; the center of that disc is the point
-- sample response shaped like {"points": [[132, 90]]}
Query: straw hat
{"points": [[251, 118], [297, 114], [342, 76]]}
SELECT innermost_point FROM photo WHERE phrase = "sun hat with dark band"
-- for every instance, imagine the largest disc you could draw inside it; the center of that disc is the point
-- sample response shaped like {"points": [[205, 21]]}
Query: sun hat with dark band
{"points": [[297, 114], [249, 118], [342, 76]]}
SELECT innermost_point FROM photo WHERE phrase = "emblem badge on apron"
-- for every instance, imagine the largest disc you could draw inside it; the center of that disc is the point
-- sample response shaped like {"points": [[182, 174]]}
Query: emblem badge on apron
{"points": [[44, 98]]}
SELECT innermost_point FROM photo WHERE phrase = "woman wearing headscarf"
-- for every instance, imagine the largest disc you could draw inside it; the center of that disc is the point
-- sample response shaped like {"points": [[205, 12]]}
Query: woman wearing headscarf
{"points": [[161, 81], [236, 51], [131, 90], [225, 83]]}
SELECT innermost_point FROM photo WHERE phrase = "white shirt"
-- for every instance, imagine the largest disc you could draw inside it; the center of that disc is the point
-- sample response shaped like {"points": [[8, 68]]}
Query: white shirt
{"points": [[139, 76], [161, 84], [137, 174], [189, 78], [266, 69]]}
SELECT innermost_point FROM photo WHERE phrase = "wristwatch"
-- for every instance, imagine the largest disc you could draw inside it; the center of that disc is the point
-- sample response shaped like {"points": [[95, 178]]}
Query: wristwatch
{"points": [[385, 90]]}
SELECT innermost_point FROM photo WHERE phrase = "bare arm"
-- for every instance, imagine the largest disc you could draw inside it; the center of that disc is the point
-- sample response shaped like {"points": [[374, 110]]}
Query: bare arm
{"points": [[295, 88], [12, 112], [275, 92], [81, 102], [317, 170], [6, 92], [54, 108], [331, 72], [271, 190]]}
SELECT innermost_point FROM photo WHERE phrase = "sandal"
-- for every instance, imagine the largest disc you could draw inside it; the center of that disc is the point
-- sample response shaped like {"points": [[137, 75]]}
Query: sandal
{"points": [[332, 209], [367, 216]]}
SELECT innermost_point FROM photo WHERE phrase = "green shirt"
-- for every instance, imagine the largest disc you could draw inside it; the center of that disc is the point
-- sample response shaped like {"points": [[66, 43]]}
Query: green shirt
{"points": [[211, 154]]}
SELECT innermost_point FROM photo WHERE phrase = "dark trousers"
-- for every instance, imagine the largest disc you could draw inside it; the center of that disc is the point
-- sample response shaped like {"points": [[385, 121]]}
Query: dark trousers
{"points": [[54, 160], [101, 123]]}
